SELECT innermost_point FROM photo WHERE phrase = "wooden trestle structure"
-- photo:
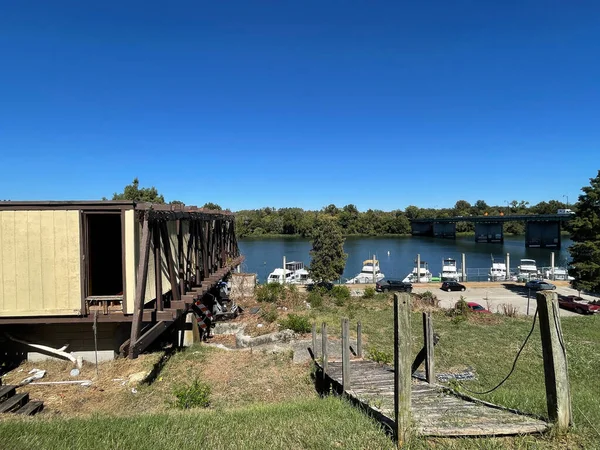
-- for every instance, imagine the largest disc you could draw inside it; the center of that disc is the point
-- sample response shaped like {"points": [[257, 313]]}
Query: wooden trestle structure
{"points": [[206, 252], [66, 264]]}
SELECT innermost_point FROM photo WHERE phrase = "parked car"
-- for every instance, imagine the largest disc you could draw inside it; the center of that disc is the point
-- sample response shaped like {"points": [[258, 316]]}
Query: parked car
{"points": [[477, 308], [538, 285], [577, 304], [453, 286], [393, 285]]}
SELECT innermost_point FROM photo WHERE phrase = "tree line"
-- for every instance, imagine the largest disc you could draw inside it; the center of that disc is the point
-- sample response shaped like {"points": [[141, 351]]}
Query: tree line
{"points": [[298, 222]]}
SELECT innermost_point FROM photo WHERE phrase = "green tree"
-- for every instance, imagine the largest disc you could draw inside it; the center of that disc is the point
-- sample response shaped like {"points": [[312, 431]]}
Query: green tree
{"points": [[134, 192], [585, 250], [328, 259], [213, 206]]}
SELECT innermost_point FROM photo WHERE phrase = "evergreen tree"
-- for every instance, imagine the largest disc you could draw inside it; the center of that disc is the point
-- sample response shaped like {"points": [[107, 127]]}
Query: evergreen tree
{"points": [[134, 192], [585, 250], [328, 259]]}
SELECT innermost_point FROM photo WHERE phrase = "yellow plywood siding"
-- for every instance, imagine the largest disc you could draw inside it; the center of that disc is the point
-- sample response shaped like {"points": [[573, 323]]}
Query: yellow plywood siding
{"points": [[40, 263], [131, 258]]}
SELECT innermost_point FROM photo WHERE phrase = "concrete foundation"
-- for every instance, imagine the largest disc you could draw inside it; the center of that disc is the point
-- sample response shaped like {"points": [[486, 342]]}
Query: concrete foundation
{"points": [[491, 232], [444, 230], [542, 234], [89, 356], [421, 228], [79, 338]]}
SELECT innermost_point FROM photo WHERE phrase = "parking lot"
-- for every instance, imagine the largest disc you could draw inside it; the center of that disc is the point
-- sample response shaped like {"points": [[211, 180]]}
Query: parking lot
{"points": [[493, 295]]}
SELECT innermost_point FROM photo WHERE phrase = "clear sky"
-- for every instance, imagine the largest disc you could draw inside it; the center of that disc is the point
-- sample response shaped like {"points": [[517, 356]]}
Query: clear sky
{"points": [[248, 104]]}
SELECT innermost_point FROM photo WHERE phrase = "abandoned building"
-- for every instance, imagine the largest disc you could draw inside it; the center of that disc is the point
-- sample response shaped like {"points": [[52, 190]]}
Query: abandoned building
{"points": [[111, 275]]}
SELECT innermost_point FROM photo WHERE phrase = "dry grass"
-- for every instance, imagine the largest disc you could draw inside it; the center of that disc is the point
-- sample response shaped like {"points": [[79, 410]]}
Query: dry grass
{"points": [[110, 392], [236, 378]]}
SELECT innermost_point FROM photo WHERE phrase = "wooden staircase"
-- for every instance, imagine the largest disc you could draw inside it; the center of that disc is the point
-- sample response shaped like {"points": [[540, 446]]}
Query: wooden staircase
{"points": [[11, 402]]}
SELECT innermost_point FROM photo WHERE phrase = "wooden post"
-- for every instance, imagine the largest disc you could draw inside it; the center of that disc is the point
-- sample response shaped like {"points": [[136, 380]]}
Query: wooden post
{"points": [[324, 347], [180, 267], [428, 345], [157, 266], [402, 367], [345, 354], [170, 265], [359, 352], [558, 395], [140, 287], [314, 339]]}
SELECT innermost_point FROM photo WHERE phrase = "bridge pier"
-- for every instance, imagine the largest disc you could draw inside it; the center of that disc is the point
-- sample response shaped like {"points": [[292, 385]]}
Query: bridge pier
{"points": [[422, 228], [444, 230], [490, 232], [542, 234]]}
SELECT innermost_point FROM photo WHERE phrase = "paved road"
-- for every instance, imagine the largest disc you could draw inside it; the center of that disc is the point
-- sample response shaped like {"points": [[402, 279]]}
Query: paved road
{"points": [[493, 297]]}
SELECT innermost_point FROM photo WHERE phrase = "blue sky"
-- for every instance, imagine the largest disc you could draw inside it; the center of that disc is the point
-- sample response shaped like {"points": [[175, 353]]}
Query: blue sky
{"points": [[382, 104]]}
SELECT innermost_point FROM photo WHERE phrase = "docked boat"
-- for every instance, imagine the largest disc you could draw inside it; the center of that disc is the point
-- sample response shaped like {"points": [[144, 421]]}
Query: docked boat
{"points": [[449, 270], [370, 267], [528, 270], [497, 271], [293, 273], [560, 274], [420, 275]]}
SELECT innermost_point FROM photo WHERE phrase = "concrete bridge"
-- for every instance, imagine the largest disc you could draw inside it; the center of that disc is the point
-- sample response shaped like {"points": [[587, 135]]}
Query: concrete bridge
{"points": [[541, 230]]}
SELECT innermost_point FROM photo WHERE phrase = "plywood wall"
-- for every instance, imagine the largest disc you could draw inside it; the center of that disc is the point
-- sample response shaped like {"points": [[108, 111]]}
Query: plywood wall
{"points": [[40, 263]]}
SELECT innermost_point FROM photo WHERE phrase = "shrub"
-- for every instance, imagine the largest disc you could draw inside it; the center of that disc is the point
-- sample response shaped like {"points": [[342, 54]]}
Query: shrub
{"points": [[508, 310], [340, 292], [369, 292], [298, 324], [269, 292], [315, 299], [192, 396], [380, 356], [269, 315]]}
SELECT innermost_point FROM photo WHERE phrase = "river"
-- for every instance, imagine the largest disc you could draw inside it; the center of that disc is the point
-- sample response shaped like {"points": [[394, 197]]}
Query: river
{"points": [[397, 255]]}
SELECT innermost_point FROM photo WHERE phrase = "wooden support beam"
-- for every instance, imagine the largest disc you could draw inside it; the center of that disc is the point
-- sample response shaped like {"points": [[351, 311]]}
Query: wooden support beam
{"points": [[314, 339], [140, 288], [556, 374], [159, 305], [170, 263], [428, 343], [197, 262], [359, 349], [345, 354], [148, 337], [402, 373], [180, 263], [324, 348]]}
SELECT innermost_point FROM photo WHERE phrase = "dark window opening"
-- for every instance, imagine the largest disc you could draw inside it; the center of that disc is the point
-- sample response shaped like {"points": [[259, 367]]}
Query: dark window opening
{"points": [[104, 255]]}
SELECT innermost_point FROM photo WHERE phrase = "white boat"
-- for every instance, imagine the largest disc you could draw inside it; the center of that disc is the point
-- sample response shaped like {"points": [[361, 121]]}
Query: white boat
{"points": [[370, 267], [560, 274], [423, 276], [497, 271], [528, 270], [449, 270], [294, 273]]}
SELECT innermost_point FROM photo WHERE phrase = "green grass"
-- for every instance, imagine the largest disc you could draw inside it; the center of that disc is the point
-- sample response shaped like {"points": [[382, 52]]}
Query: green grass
{"points": [[241, 418], [488, 344], [316, 423]]}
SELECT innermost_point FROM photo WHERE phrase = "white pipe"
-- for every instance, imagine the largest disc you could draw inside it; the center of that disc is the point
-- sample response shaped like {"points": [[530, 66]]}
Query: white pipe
{"points": [[48, 349]]}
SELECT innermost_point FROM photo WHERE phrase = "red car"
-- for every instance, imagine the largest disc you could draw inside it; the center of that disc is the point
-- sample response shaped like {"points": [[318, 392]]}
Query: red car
{"points": [[578, 305], [477, 308]]}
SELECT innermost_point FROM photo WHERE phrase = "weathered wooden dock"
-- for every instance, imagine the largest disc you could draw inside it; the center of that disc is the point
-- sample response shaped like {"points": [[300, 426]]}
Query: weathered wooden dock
{"points": [[410, 405], [435, 410]]}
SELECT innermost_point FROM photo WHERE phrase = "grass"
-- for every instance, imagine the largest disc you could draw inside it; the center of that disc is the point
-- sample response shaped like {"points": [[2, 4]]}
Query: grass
{"points": [[264, 401], [292, 425]]}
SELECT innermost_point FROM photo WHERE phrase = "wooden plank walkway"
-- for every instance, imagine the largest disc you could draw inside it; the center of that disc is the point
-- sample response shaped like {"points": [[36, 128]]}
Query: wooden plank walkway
{"points": [[435, 411]]}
